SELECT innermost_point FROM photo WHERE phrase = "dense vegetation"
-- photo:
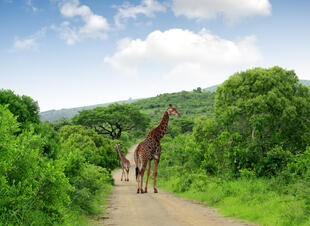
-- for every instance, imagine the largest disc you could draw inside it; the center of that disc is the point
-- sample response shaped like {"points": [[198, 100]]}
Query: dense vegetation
{"points": [[50, 174], [244, 149], [191, 104], [251, 158]]}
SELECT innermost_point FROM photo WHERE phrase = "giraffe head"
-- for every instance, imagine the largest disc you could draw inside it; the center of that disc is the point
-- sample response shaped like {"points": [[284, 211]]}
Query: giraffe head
{"points": [[172, 111]]}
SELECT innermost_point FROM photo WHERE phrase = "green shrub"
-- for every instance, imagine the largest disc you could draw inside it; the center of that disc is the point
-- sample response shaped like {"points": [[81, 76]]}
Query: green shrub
{"points": [[33, 188], [87, 185], [83, 155]]}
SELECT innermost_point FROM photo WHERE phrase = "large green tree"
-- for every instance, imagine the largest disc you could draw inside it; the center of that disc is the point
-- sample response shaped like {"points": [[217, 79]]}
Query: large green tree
{"points": [[24, 107], [112, 120], [268, 107]]}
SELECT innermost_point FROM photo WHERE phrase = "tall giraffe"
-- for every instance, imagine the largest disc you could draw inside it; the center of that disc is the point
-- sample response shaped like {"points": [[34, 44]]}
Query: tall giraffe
{"points": [[125, 163], [150, 149]]}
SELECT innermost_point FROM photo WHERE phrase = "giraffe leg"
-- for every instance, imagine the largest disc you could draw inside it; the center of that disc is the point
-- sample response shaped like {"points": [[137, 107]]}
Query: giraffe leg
{"points": [[142, 173], [128, 174], [147, 176], [155, 175], [138, 181], [122, 174]]}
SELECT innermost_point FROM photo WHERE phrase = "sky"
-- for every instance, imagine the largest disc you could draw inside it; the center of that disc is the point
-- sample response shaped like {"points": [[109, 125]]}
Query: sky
{"points": [[72, 53]]}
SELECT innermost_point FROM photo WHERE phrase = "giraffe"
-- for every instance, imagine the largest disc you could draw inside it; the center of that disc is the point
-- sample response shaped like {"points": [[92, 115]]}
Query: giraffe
{"points": [[150, 149], [125, 163]]}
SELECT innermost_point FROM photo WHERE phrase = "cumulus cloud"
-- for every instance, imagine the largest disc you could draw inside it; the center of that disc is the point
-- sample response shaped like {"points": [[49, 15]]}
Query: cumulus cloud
{"points": [[179, 54], [146, 7], [94, 26], [28, 43], [233, 10]]}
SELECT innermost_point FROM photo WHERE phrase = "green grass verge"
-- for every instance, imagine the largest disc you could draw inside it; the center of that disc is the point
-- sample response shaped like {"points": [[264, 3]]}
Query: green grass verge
{"points": [[255, 200], [99, 207]]}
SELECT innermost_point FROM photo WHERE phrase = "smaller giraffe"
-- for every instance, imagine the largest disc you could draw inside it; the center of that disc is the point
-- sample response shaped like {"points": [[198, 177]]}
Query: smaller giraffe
{"points": [[125, 163]]}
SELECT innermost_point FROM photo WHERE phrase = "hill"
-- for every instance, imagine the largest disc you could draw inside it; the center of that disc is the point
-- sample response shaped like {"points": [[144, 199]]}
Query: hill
{"points": [[189, 103], [53, 115]]}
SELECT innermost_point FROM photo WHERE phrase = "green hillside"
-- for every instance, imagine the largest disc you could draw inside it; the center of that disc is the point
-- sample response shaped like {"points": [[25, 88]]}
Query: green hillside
{"points": [[53, 115], [305, 82], [189, 103], [211, 88]]}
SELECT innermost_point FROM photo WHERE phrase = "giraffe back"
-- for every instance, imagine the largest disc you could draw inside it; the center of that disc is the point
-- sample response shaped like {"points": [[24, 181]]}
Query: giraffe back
{"points": [[149, 149]]}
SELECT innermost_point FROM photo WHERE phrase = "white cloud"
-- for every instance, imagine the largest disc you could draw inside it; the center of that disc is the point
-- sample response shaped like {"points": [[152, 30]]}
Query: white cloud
{"points": [[184, 56], [94, 26], [233, 10], [28, 43], [30, 4], [146, 7], [70, 35]]}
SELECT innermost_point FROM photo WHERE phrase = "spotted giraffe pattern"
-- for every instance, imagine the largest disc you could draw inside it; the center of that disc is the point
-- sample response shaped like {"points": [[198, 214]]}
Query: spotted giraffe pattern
{"points": [[149, 149], [125, 163]]}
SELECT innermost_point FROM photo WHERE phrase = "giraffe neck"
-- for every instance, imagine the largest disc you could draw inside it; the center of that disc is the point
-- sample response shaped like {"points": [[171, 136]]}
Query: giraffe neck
{"points": [[161, 129], [120, 153]]}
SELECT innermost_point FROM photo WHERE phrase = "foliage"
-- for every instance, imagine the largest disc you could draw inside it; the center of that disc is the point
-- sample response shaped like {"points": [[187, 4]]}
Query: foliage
{"points": [[181, 151], [24, 107], [267, 107], [179, 126], [60, 123], [94, 148], [50, 139], [260, 122], [251, 157], [33, 188], [112, 120], [49, 177], [84, 154], [189, 104]]}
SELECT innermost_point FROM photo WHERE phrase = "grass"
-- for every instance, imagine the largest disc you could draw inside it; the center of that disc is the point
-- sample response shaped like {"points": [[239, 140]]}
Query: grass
{"points": [[254, 200], [100, 205]]}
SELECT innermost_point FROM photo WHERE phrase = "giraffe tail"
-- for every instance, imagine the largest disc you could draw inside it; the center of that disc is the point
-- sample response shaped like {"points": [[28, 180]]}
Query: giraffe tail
{"points": [[137, 172], [136, 162]]}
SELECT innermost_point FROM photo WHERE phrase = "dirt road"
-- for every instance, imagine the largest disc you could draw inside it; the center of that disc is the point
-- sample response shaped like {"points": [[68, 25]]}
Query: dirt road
{"points": [[162, 209]]}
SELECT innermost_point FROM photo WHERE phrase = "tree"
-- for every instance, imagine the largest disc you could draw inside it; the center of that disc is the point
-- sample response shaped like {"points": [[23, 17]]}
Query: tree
{"points": [[112, 120], [24, 107], [58, 124], [268, 107], [198, 90]]}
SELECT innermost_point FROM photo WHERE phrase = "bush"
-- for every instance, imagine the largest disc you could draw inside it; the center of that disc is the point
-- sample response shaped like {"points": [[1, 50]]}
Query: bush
{"points": [[87, 185], [33, 188], [84, 154]]}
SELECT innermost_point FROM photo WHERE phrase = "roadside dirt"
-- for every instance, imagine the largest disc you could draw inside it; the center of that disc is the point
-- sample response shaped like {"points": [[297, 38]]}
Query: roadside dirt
{"points": [[162, 209]]}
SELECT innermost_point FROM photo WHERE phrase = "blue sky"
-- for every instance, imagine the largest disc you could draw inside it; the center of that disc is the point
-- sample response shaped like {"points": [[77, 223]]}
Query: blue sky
{"points": [[70, 53]]}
